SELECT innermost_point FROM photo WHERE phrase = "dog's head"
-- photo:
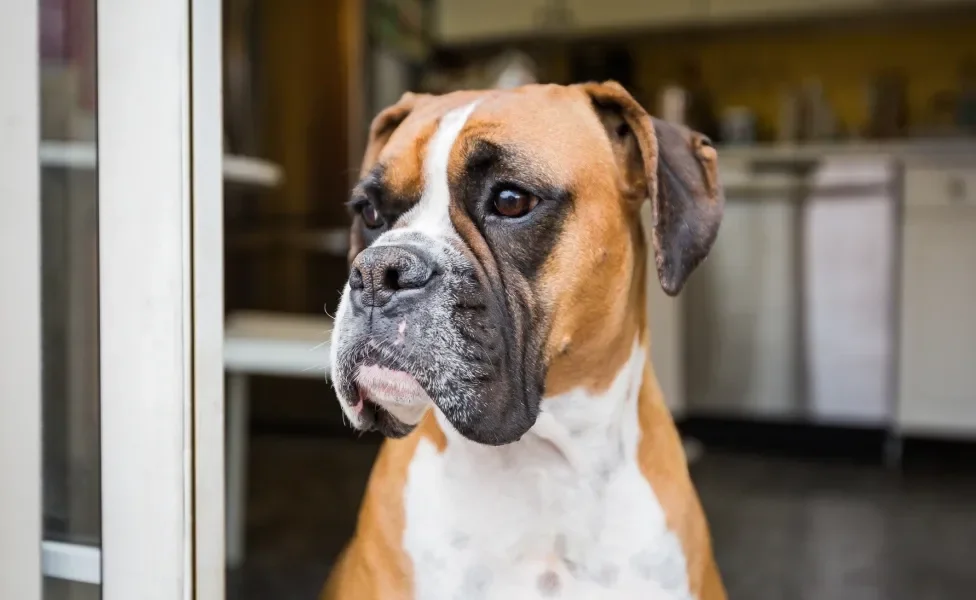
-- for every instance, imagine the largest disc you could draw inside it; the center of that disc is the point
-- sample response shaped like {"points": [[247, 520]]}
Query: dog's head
{"points": [[497, 253]]}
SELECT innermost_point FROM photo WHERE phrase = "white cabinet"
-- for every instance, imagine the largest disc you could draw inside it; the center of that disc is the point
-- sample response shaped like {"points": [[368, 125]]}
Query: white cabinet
{"points": [[475, 20], [940, 186], [741, 313], [789, 317], [604, 15], [937, 380], [848, 285], [720, 10]]}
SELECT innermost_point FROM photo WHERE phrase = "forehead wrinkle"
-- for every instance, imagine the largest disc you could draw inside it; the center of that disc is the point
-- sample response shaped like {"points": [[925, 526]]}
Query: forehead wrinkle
{"points": [[471, 241], [512, 159], [557, 129]]}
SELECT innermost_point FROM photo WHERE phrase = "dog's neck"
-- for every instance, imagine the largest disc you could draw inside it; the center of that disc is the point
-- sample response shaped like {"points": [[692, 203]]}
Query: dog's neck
{"points": [[579, 422], [586, 429], [574, 494], [586, 425]]}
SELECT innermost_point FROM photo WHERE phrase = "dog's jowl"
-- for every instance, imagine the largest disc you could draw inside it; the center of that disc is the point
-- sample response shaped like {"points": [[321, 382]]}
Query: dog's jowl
{"points": [[494, 327]]}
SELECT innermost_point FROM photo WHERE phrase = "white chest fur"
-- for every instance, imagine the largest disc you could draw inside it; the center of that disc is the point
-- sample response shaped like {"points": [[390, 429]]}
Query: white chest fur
{"points": [[563, 513]]}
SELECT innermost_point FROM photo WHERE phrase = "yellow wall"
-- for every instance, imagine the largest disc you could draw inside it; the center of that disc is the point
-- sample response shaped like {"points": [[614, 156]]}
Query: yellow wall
{"points": [[751, 68]]}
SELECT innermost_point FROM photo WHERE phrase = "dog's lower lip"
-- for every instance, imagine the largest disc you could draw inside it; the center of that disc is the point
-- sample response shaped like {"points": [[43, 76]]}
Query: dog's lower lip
{"points": [[381, 383]]}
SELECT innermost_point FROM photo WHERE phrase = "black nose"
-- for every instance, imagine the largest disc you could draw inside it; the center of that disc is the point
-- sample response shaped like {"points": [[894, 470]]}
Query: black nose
{"points": [[380, 272]]}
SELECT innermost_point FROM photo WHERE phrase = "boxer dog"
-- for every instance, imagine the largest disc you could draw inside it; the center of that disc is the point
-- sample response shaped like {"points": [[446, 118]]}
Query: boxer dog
{"points": [[494, 327]]}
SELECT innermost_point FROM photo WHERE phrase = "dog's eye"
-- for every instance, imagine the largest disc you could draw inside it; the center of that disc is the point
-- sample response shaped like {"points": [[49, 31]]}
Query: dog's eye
{"points": [[512, 203], [371, 216]]}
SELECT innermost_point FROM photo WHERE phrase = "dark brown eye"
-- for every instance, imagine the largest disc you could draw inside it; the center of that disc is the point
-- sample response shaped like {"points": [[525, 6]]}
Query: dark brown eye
{"points": [[371, 217], [513, 203]]}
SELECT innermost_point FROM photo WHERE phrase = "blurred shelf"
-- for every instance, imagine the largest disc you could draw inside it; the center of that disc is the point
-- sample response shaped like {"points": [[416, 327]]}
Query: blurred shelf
{"points": [[290, 345], [796, 178], [251, 171], [242, 170], [69, 155], [328, 241], [910, 149]]}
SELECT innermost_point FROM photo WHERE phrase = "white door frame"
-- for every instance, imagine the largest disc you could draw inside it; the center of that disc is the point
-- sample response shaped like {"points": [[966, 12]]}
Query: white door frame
{"points": [[161, 298], [160, 305], [20, 306], [207, 226]]}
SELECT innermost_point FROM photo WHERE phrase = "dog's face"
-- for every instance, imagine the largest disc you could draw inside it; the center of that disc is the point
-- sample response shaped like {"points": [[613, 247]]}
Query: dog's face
{"points": [[497, 253]]}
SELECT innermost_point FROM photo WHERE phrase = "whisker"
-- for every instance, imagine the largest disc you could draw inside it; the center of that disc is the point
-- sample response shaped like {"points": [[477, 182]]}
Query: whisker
{"points": [[317, 346]]}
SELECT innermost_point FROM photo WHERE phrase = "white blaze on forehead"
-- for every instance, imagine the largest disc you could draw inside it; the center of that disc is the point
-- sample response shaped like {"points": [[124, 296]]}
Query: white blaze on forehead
{"points": [[431, 215]]}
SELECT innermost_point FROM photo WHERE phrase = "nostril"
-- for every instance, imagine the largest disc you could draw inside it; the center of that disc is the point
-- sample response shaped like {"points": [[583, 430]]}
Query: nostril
{"points": [[391, 279], [413, 275], [356, 279]]}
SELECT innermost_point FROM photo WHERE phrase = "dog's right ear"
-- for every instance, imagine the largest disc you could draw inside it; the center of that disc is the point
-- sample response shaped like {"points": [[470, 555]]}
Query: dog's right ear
{"points": [[674, 167], [380, 131]]}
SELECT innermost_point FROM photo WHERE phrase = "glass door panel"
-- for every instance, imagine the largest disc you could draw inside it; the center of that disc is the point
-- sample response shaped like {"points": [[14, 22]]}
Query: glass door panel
{"points": [[69, 298], [69, 272], [62, 589]]}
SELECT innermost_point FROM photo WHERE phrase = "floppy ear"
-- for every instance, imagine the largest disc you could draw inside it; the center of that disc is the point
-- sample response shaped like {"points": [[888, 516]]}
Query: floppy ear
{"points": [[673, 166], [380, 130]]}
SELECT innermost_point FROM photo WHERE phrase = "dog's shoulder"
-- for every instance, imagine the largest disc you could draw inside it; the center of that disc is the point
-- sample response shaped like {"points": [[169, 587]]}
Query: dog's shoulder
{"points": [[374, 564]]}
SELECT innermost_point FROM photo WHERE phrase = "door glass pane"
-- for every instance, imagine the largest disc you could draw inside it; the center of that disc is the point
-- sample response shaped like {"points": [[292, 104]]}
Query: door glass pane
{"points": [[59, 589], [69, 281]]}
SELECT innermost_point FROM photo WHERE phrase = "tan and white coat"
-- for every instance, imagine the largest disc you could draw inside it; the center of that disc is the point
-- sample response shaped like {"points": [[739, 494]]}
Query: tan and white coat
{"points": [[588, 496]]}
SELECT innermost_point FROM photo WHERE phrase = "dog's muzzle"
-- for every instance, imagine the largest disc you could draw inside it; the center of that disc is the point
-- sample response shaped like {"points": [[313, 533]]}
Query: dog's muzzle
{"points": [[418, 327]]}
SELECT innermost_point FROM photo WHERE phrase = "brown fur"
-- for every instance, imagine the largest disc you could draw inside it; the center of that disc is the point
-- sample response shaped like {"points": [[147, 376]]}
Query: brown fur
{"points": [[592, 288], [373, 566], [662, 461]]}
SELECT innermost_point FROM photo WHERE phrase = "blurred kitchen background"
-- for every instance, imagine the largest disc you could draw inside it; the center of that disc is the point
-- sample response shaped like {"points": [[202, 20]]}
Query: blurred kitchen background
{"points": [[822, 362]]}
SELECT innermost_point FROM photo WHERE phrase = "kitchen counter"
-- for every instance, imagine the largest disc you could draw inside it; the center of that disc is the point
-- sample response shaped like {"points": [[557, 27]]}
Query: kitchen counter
{"points": [[911, 150]]}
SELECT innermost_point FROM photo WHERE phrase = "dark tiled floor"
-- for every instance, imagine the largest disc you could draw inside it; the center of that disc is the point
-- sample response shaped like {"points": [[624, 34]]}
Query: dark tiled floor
{"points": [[303, 497], [783, 529], [799, 530]]}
